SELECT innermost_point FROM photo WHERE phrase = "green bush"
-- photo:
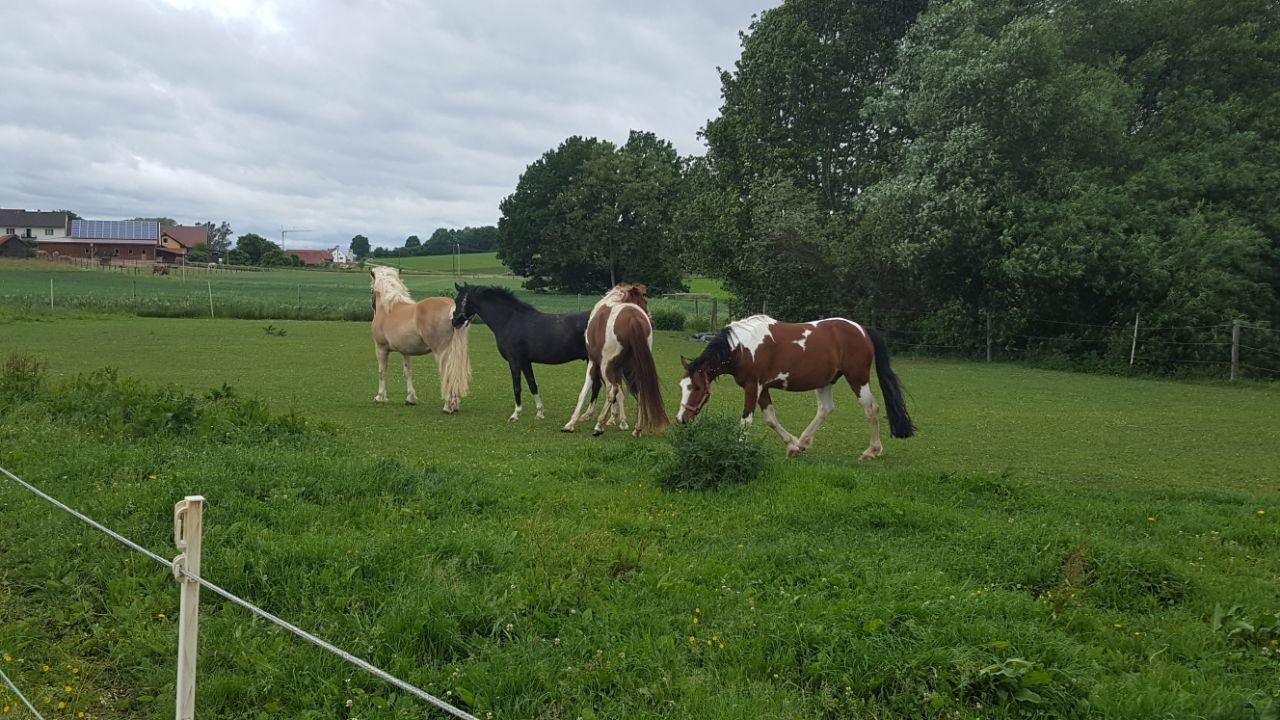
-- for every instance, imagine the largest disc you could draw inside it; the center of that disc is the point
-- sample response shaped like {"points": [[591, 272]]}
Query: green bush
{"points": [[20, 379], [698, 324], [668, 320], [710, 452]]}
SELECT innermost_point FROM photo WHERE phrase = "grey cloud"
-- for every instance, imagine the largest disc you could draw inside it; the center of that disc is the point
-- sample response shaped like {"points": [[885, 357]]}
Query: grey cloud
{"points": [[382, 118]]}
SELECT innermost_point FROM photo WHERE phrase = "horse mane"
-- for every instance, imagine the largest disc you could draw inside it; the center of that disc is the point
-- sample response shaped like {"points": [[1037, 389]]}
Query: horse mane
{"points": [[499, 293], [623, 293], [717, 357], [386, 283]]}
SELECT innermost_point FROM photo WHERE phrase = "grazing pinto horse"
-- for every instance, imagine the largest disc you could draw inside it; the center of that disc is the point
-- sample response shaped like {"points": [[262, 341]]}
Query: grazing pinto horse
{"points": [[620, 347], [763, 354], [525, 336], [409, 328]]}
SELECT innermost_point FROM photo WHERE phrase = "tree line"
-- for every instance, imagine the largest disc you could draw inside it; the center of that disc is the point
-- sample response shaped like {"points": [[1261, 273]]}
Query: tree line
{"points": [[945, 162], [444, 241]]}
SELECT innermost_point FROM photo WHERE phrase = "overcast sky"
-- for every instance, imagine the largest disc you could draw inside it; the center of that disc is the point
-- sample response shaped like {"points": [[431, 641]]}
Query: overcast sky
{"points": [[383, 118]]}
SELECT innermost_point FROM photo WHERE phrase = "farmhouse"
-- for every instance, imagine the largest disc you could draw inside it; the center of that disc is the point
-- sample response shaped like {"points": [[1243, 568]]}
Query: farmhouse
{"points": [[178, 240], [313, 257], [37, 225], [15, 246]]}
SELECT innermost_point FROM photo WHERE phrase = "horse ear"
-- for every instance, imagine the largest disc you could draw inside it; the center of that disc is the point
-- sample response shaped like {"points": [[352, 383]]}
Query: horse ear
{"points": [[641, 288], [684, 361], [457, 287]]}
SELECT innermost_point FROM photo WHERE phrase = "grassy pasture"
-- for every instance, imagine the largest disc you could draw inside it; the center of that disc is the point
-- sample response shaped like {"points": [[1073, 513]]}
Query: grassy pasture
{"points": [[1086, 524], [470, 264], [273, 294]]}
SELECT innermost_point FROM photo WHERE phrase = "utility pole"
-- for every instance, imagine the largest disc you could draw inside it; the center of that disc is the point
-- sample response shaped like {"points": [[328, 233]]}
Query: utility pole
{"points": [[457, 261], [288, 231]]}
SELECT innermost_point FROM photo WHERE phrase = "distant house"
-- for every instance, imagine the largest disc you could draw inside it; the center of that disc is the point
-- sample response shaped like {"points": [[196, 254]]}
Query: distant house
{"points": [[37, 225], [106, 239], [13, 246], [178, 240], [312, 257]]}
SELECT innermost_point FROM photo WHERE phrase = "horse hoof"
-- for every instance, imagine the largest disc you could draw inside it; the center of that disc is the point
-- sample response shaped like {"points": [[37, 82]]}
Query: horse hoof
{"points": [[539, 416], [597, 432], [379, 401], [566, 429], [513, 418], [411, 401], [794, 450]]}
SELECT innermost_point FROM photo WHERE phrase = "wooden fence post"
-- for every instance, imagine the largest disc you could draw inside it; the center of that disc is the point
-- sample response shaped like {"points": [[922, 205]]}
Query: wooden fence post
{"points": [[50, 293], [210, 284], [188, 525], [1133, 349], [1235, 348], [988, 335], [715, 311]]}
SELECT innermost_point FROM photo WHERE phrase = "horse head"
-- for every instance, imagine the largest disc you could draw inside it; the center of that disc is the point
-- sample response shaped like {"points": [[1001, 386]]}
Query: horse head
{"points": [[462, 309]]}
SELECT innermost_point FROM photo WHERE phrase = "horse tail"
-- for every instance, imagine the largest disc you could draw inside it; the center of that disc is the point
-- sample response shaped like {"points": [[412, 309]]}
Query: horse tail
{"points": [[642, 375], [900, 424], [455, 365]]}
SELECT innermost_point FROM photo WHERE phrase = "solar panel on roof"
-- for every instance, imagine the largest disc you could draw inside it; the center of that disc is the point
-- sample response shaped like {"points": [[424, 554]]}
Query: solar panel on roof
{"points": [[115, 229]]}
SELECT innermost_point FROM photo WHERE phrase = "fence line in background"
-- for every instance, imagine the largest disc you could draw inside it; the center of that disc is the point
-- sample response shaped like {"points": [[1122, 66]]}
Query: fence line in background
{"points": [[188, 520]]}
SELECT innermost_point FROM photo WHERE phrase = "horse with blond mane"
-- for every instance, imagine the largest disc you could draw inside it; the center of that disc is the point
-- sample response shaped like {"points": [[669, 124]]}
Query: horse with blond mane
{"points": [[620, 348], [417, 328]]}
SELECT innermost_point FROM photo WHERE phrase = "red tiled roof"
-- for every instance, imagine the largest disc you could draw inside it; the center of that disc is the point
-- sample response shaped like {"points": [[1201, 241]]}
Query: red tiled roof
{"points": [[188, 236], [312, 257]]}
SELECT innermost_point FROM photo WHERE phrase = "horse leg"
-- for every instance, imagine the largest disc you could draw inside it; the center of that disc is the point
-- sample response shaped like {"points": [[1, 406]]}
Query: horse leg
{"points": [[751, 395], [622, 405], [611, 392], [533, 388], [412, 397], [825, 405], [595, 393], [582, 397], [771, 419], [875, 449], [515, 388], [382, 352]]}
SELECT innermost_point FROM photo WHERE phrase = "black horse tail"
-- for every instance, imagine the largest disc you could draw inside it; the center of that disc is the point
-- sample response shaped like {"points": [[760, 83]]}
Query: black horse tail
{"points": [[900, 425]]}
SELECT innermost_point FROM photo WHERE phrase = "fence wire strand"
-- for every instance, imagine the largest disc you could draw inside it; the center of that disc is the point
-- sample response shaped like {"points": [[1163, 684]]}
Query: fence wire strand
{"points": [[299, 632], [21, 697]]}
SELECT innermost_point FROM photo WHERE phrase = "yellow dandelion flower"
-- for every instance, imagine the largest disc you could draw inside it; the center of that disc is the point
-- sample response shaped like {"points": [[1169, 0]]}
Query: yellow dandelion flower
{"points": [[1151, 518], [708, 643], [713, 637], [1119, 626], [740, 546], [1262, 512], [5, 710], [8, 658], [697, 611], [80, 714], [1136, 633], [61, 704], [44, 668], [721, 646], [695, 621], [75, 670], [151, 477], [693, 639]]}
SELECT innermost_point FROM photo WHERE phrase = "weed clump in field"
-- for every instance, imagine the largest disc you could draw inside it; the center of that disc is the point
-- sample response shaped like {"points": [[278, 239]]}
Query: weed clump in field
{"points": [[20, 379], [668, 320], [710, 452]]}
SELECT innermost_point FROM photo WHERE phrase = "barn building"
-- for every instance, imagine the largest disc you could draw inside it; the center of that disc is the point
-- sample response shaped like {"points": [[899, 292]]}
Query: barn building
{"points": [[13, 246], [106, 240]]}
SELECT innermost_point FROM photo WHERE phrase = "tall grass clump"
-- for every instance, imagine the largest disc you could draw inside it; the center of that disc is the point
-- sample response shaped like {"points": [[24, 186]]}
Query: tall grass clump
{"points": [[668, 319], [710, 452], [20, 379]]}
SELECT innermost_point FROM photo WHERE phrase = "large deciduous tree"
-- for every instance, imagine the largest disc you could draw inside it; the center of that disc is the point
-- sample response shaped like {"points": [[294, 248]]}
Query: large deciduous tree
{"points": [[589, 214], [359, 246]]}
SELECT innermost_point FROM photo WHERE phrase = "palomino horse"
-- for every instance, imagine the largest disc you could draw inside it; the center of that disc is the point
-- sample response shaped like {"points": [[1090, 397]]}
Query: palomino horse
{"points": [[620, 348], [762, 354], [409, 328], [525, 335]]}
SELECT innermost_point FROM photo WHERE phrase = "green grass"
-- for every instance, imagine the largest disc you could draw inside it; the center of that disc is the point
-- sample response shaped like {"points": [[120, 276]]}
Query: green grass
{"points": [[470, 264], [541, 575], [273, 294]]}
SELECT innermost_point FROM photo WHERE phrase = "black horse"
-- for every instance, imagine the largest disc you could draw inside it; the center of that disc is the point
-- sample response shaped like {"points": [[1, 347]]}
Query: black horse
{"points": [[525, 335]]}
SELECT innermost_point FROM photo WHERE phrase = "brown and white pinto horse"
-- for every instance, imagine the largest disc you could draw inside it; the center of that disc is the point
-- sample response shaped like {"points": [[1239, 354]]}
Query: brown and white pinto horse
{"points": [[763, 354], [620, 348]]}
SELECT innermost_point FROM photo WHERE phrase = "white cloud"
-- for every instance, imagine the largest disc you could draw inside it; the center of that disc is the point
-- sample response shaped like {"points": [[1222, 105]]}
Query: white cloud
{"points": [[383, 118]]}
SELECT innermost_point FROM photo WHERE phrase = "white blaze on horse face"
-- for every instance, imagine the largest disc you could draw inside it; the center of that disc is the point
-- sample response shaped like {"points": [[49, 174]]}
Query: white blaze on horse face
{"points": [[750, 333], [686, 386]]}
